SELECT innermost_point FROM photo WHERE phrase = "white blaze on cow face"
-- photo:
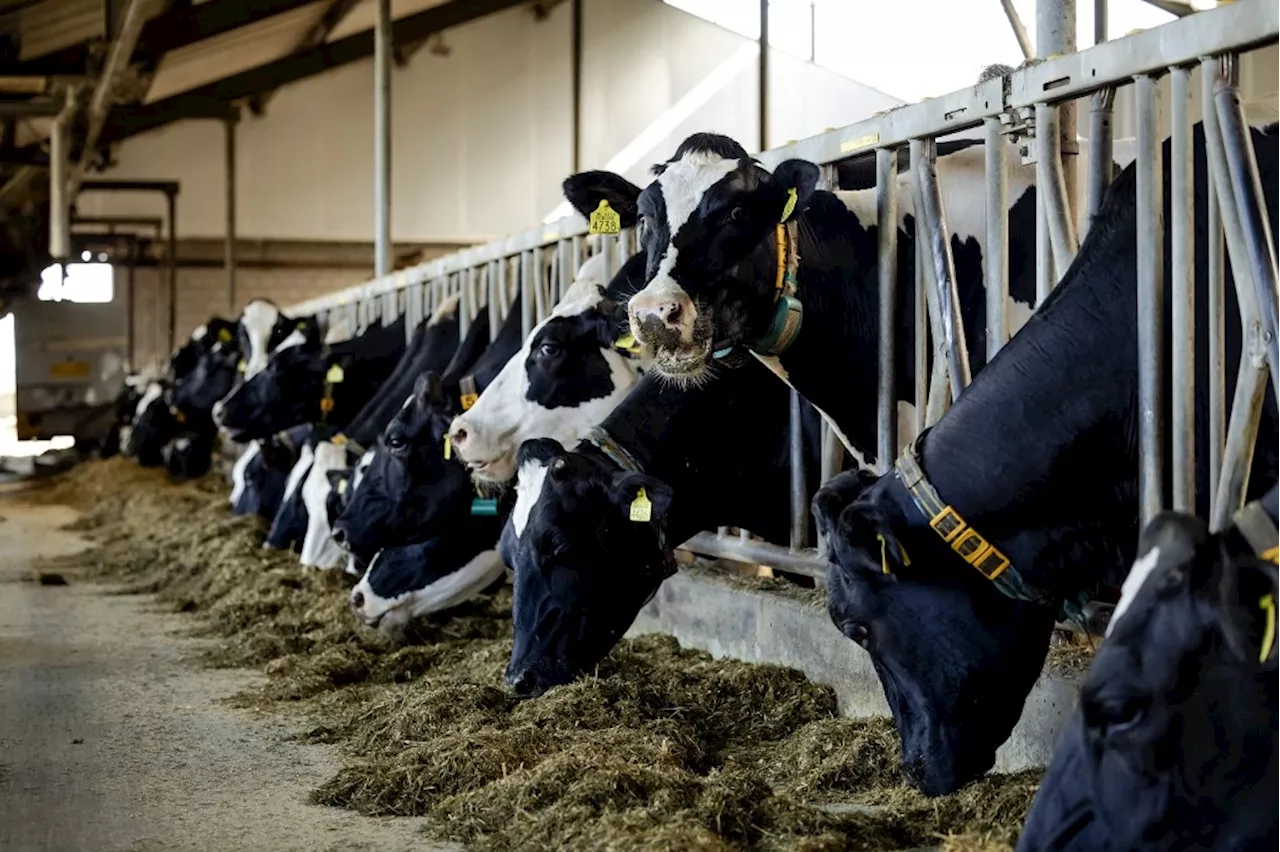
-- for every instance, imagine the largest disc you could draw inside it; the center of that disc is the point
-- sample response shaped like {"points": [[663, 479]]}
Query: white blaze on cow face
{"points": [[487, 436], [295, 338], [238, 470], [663, 303], [153, 393], [318, 548], [529, 482], [1142, 568], [258, 319], [392, 615], [201, 331]]}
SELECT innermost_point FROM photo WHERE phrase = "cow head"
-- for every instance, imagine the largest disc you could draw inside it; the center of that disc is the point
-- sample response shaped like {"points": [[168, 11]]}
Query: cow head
{"points": [[339, 490], [408, 490], [1174, 739], [567, 377], [214, 371], [263, 329], [708, 227], [289, 525], [288, 391], [153, 426], [583, 568], [955, 657], [408, 582]]}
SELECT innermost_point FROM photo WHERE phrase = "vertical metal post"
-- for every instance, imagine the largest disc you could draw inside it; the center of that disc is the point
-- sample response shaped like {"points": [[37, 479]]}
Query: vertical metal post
{"points": [[1246, 187], [465, 302], [1151, 349], [944, 272], [59, 202], [1101, 152], [1216, 273], [921, 342], [526, 295], [607, 249], [575, 257], [172, 203], [575, 72], [935, 391], [382, 55], [996, 254], [130, 333], [541, 310], [1182, 242], [1051, 193], [763, 82], [1055, 36], [799, 494], [564, 275], [1246, 415], [230, 248], [887, 265]]}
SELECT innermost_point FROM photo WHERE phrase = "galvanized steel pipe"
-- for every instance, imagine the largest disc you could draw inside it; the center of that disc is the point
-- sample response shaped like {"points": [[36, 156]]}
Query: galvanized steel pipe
{"points": [[1151, 352], [1051, 192], [60, 193], [996, 251], [1101, 152], [526, 295], [230, 239], [1182, 242], [887, 267], [944, 274], [382, 56], [1246, 416], [799, 493]]}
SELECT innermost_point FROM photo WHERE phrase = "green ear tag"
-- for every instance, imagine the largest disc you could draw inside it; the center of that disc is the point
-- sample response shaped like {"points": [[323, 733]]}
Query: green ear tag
{"points": [[335, 375], [790, 206], [641, 508], [604, 220]]}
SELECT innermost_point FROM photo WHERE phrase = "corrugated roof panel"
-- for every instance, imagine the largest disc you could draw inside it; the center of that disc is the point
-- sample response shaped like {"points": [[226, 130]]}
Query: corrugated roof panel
{"points": [[56, 24], [363, 16], [233, 52]]}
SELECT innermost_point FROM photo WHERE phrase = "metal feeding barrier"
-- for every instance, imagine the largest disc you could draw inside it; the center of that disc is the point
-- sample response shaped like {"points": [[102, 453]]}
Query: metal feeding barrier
{"points": [[1023, 105]]}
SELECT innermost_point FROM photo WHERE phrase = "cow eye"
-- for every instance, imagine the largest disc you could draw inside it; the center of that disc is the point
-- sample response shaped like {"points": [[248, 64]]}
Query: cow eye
{"points": [[397, 443], [549, 350], [737, 215], [1112, 716]]}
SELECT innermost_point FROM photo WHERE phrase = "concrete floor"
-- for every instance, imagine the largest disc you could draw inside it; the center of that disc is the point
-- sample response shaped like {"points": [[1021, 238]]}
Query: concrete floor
{"points": [[111, 738]]}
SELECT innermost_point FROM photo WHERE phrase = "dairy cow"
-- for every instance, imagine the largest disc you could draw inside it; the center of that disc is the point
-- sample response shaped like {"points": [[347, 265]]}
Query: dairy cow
{"points": [[1031, 479], [1173, 744]]}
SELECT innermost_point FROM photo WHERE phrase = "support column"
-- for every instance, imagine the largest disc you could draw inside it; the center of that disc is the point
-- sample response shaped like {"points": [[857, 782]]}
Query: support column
{"points": [[382, 262], [1055, 36], [59, 202], [230, 248], [763, 106]]}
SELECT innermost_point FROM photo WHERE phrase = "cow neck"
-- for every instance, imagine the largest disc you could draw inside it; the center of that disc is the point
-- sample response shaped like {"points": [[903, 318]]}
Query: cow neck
{"points": [[642, 431], [1039, 454], [370, 358], [491, 361], [832, 360]]}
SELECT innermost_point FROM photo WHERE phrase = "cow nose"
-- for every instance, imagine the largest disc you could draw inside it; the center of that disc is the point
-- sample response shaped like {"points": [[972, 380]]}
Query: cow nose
{"points": [[660, 314], [459, 437], [523, 684], [357, 599]]}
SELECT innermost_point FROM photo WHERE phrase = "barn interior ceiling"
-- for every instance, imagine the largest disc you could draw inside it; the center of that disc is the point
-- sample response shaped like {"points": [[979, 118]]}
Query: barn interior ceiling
{"points": [[133, 66]]}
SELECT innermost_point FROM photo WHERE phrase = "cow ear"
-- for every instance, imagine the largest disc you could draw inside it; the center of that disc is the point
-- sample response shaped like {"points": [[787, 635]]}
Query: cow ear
{"points": [[862, 541], [336, 476], [428, 389], [611, 323], [798, 175], [586, 190], [625, 488], [833, 497], [540, 450], [1243, 595]]}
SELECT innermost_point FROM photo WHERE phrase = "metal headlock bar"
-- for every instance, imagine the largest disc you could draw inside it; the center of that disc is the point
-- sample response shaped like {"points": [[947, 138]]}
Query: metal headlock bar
{"points": [[540, 263]]}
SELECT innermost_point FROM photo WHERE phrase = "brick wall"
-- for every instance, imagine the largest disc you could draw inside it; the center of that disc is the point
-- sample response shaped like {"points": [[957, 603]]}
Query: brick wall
{"points": [[202, 293]]}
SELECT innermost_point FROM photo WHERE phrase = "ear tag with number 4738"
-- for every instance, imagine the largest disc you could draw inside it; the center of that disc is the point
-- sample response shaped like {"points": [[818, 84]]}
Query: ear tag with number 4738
{"points": [[604, 220], [641, 508]]}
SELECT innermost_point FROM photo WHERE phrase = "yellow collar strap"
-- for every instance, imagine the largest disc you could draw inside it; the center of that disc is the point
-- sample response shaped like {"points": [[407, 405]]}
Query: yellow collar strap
{"points": [[966, 541], [788, 312]]}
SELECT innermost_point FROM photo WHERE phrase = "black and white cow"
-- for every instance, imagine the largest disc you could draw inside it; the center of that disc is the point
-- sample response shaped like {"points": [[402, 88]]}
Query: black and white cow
{"points": [[704, 456], [566, 377], [305, 381], [394, 494], [719, 230], [435, 342], [1040, 456], [1174, 742], [260, 474]]}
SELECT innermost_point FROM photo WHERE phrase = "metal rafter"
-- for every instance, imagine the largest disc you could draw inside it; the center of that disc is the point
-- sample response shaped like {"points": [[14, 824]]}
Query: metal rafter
{"points": [[314, 37]]}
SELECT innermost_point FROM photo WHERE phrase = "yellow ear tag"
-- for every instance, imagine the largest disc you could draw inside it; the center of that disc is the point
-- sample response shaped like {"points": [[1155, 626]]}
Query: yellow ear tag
{"points": [[1268, 605], [224, 335], [241, 366], [342, 487], [301, 326], [627, 342], [641, 508], [338, 440], [448, 447], [468, 400], [335, 375], [604, 220], [790, 206]]}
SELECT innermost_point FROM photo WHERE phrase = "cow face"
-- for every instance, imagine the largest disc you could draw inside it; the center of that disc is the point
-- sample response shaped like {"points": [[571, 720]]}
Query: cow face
{"points": [[408, 491], [708, 225], [1174, 742], [213, 375], [583, 568], [289, 526], [339, 488], [153, 426], [287, 392], [566, 378], [955, 657], [404, 583]]}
